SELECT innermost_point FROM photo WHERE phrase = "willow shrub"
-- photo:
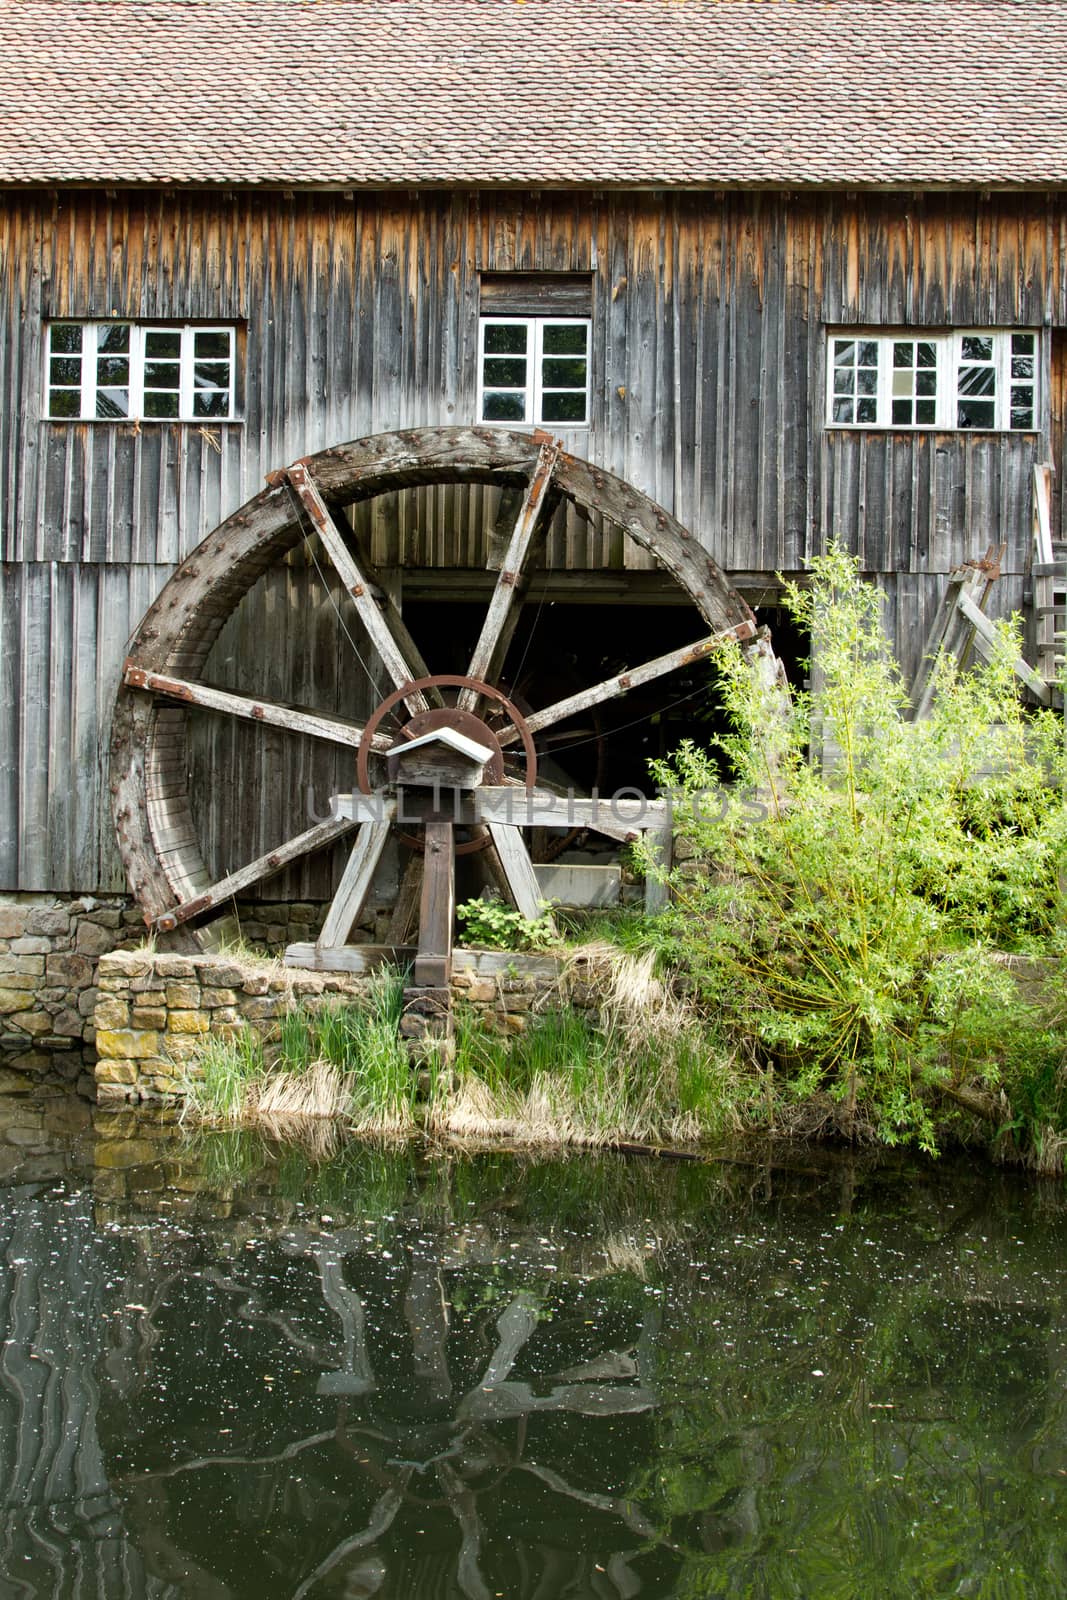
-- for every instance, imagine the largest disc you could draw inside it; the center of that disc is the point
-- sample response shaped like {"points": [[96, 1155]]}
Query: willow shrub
{"points": [[854, 937]]}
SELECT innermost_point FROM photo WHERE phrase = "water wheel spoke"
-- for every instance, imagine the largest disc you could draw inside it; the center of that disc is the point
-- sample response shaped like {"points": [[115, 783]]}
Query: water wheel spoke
{"points": [[294, 719], [302, 844], [611, 688], [379, 615], [504, 608], [356, 879]]}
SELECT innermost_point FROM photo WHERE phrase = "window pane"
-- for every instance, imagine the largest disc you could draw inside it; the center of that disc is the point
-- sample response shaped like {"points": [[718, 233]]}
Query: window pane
{"points": [[564, 341], [113, 338], [211, 404], [503, 407], [904, 355], [844, 380], [563, 407], [65, 403], [902, 382], [112, 402], [66, 369], [866, 381], [866, 411], [844, 352], [1022, 366], [162, 343], [926, 412], [162, 375], [66, 337], [978, 348], [511, 373], [867, 354], [212, 375], [160, 403], [975, 414], [977, 380], [926, 383], [1022, 344], [557, 373], [113, 369], [211, 342], [1022, 407], [507, 338], [902, 412], [842, 410], [927, 355]]}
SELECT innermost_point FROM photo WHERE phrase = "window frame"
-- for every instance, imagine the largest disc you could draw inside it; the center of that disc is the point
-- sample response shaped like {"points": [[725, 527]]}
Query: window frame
{"points": [[89, 386], [949, 361], [535, 388]]}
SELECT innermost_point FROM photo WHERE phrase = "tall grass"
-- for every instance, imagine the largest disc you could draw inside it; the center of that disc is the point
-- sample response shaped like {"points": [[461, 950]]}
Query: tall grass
{"points": [[640, 1069], [344, 1061]]}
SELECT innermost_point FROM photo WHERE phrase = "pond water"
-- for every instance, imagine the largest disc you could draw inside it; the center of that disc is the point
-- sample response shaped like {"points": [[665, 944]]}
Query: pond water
{"points": [[236, 1368]]}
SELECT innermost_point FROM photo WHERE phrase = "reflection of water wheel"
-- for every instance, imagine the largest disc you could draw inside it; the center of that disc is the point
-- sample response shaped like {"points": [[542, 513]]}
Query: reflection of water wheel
{"points": [[152, 807]]}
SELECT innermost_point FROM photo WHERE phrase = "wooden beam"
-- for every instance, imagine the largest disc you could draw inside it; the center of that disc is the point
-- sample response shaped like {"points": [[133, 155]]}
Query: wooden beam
{"points": [[518, 869], [302, 844], [504, 607], [656, 891], [516, 807], [611, 688], [391, 639], [348, 957], [356, 879], [291, 718], [437, 907]]}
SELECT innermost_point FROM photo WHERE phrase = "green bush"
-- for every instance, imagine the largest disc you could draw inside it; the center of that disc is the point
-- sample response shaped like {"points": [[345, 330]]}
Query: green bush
{"points": [[852, 939]]}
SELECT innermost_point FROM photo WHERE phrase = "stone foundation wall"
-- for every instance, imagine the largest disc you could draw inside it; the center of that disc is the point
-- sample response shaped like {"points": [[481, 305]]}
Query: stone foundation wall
{"points": [[154, 1011], [49, 949]]}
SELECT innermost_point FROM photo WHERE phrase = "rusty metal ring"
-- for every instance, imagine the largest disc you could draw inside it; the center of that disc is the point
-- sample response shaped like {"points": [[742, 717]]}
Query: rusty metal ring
{"points": [[445, 680]]}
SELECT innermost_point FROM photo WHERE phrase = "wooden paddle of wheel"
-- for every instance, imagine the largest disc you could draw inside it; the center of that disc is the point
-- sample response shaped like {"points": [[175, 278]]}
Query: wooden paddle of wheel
{"points": [[153, 815]]}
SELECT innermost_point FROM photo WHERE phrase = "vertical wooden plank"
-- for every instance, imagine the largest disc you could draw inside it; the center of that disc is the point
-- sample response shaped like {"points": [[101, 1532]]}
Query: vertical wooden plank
{"points": [[437, 906]]}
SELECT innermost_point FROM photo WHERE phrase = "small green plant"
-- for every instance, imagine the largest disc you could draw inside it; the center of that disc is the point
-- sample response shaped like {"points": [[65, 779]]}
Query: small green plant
{"points": [[491, 924]]}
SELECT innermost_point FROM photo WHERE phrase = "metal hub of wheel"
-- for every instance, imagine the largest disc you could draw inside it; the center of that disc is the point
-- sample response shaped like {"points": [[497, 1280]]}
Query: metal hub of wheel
{"points": [[155, 818]]}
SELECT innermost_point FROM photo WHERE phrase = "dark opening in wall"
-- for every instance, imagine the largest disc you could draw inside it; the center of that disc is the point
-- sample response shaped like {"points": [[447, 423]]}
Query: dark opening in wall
{"points": [[561, 648]]}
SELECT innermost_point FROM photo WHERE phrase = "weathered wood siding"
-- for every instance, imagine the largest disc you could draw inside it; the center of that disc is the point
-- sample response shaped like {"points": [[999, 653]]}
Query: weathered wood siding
{"points": [[359, 314]]}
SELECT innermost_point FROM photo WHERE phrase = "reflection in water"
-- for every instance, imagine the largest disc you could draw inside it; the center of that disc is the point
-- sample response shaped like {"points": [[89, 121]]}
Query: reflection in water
{"points": [[235, 1370]]}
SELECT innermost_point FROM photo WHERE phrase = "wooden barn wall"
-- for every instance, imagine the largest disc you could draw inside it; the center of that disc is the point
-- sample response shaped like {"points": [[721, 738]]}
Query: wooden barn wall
{"points": [[359, 313]]}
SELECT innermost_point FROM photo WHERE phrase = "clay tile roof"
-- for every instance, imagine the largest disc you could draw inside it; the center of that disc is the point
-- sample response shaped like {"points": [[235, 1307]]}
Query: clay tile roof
{"points": [[535, 92]]}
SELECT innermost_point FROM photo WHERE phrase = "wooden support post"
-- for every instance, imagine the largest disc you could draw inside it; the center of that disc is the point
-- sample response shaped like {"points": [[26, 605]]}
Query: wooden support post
{"points": [[517, 868], [356, 879], [437, 907], [656, 892]]}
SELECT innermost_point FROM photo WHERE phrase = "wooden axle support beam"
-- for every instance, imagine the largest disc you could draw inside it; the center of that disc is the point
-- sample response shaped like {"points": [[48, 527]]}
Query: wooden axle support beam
{"points": [[507, 806]]}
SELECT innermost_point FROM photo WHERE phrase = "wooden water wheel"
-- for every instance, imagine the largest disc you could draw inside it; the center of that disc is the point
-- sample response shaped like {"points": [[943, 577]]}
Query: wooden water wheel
{"points": [[163, 678]]}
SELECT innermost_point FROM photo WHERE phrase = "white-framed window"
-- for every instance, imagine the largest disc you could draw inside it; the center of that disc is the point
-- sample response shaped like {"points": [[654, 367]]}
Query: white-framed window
{"points": [[983, 378], [533, 371], [139, 372]]}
